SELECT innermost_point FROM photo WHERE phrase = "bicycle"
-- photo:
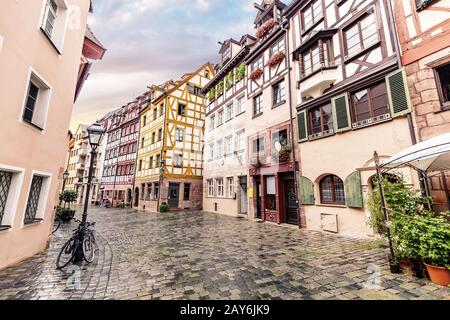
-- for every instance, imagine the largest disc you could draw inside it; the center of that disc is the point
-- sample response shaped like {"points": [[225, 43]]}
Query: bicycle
{"points": [[56, 224], [70, 248]]}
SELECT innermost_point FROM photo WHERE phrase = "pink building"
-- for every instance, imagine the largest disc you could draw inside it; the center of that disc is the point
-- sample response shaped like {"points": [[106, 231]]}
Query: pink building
{"points": [[41, 45]]}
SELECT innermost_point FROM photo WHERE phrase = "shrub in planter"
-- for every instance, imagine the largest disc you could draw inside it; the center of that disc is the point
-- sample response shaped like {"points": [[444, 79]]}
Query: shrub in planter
{"points": [[276, 59], [220, 88], [240, 72], [212, 94], [65, 214], [163, 207], [68, 197], [229, 80], [255, 74]]}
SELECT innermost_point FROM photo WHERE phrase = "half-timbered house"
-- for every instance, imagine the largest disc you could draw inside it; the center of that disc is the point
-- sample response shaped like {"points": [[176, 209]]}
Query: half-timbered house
{"points": [[170, 150], [352, 100]]}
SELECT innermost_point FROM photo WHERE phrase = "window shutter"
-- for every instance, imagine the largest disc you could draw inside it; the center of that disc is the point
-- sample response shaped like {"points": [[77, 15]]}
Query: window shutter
{"points": [[341, 113], [398, 93], [353, 191], [306, 191], [302, 127]]}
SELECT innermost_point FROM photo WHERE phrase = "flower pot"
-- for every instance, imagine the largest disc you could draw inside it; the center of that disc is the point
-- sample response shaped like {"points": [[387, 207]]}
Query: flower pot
{"points": [[66, 215], [439, 275]]}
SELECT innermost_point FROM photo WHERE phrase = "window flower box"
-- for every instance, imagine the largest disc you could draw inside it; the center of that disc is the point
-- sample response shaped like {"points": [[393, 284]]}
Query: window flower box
{"points": [[255, 74], [276, 59], [265, 28]]}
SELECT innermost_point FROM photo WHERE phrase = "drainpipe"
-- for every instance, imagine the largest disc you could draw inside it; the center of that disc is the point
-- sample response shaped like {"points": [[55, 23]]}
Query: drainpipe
{"points": [[285, 26], [422, 178]]}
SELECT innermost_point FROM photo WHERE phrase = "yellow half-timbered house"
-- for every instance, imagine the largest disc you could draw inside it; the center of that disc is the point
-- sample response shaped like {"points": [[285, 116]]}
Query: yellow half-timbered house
{"points": [[170, 153]]}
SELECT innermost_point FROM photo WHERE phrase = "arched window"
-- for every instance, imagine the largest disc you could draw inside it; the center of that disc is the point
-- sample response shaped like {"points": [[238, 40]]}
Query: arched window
{"points": [[332, 190]]}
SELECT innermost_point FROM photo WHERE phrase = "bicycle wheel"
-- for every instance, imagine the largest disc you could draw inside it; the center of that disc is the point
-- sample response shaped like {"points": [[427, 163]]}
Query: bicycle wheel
{"points": [[89, 248], [56, 224], [66, 254]]}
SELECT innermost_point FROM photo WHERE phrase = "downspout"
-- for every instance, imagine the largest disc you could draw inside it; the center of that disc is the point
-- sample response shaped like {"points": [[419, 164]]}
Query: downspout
{"points": [[135, 162], [285, 26], [161, 167], [422, 178]]}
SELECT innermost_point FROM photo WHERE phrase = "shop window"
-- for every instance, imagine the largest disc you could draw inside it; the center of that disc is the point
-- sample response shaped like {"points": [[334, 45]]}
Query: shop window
{"points": [[270, 197]]}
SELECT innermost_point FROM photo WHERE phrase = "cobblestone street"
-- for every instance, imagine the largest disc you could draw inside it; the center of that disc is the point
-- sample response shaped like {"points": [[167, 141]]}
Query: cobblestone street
{"points": [[192, 255]]}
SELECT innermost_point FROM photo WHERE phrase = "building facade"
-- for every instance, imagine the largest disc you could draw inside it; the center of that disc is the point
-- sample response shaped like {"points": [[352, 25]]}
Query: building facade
{"points": [[39, 66], [424, 35], [271, 163], [352, 99], [170, 152], [225, 173]]}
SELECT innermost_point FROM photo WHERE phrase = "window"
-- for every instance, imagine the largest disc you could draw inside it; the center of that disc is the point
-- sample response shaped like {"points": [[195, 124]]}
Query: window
{"points": [[142, 142], [370, 102], [240, 141], [210, 188], [37, 102], [258, 146], [227, 53], [142, 191], [158, 161], [211, 152], [240, 105], [229, 112], [149, 191], [144, 121], [220, 188], [179, 134], [34, 199], [230, 186], [422, 4], [361, 35], [220, 117], [279, 140], [206, 74], [257, 105], [160, 134], [228, 145], [258, 64], [219, 149], [187, 191], [332, 190], [150, 166], [320, 119], [5, 184], [178, 160], [54, 22], [271, 203], [443, 79], [311, 14], [279, 93], [212, 120], [155, 190], [140, 165], [50, 17], [194, 90], [278, 47], [311, 58], [181, 109], [155, 113]]}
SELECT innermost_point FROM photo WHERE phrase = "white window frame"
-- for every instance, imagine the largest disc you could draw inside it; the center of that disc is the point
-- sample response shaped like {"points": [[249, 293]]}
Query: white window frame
{"points": [[230, 187], [43, 100], [240, 107], [210, 187], [61, 22], [43, 197], [229, 115], [220, 117], [14, 192], [228, 145], [219, 149], [177, 136], [220, 185], [211, 152], [238, 134]]}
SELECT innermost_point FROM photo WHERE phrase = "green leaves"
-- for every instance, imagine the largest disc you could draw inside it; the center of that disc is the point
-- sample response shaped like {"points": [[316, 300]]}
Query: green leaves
{"points": [[240, 72]]}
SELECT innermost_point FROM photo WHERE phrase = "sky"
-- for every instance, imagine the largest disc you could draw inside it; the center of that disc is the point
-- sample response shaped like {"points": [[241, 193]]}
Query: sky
{"points": [[152, 41]]}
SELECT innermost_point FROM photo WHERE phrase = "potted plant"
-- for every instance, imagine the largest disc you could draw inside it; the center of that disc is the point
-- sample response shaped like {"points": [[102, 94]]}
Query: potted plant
{"points": [[255, 74], [265, 28], [163, 207], [65, 213], [212, 94], [276, 59], [240, 72], [229, 80], [220, 88]]}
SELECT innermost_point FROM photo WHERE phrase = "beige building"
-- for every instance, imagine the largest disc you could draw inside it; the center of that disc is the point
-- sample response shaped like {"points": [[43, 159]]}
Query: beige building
{"points": [[41, 44], [225, 170]]}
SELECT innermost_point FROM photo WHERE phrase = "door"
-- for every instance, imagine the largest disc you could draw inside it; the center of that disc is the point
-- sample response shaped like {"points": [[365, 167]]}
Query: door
{"points": [[244, 196], [136, 197], [258, 197], [290, 202], [174, 194]]}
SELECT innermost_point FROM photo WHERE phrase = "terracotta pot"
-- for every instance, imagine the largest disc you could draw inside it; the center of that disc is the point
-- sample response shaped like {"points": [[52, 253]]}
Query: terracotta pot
{"points": [[439, 275]]}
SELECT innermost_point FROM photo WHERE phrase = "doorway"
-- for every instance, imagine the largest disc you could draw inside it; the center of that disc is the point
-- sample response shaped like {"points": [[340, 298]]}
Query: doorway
{"points": [[136, 197], [258, 196], [174, 194], [244, 196], [129, 196], [290, 201]]}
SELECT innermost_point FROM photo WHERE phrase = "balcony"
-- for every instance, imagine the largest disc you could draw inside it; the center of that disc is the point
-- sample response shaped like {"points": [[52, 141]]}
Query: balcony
{"points": [[315, 83]]}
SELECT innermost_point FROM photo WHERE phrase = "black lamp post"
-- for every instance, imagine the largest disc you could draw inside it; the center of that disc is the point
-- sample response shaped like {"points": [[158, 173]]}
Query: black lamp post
{"points": [[95, 134], [161, 177]]}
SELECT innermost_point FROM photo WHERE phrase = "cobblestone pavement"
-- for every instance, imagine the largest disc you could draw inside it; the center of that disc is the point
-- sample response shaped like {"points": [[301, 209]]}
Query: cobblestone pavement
{"points": [[194, 255]]}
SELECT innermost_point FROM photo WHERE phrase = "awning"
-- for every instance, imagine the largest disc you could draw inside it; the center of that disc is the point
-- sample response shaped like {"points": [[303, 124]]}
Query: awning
{"points": [[430, 155]]}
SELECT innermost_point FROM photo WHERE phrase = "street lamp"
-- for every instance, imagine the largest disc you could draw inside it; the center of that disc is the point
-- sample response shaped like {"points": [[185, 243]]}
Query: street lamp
{"points": [[161, 177], [65, 177], [95, 134]]}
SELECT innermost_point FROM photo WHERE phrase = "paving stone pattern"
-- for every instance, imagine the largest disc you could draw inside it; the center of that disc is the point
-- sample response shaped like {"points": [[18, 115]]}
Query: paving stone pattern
{"points": [[196, 255]]}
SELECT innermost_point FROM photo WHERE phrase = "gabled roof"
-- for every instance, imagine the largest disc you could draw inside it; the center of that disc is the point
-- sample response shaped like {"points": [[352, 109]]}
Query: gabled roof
{"points": [[265, 7]]}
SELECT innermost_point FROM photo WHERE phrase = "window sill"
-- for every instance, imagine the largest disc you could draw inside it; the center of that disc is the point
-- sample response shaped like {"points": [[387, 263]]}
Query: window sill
{"points": [[304, 32], [51, 41], [228, 120], [309, 75], [238, 114], [331, 205], [219, 125], [445, 107], [4, 228], [276, 105], [34, 222], [257, 115], [33, 125]]}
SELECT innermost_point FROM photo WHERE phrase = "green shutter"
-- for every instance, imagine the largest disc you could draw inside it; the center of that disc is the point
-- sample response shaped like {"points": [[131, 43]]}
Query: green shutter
{"points": [[353, 191], [398, 93], [306, 191], [302, 127], [341, 113]]}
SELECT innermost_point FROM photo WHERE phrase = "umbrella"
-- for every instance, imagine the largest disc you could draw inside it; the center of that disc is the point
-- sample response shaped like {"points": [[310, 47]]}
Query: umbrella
{"points": [[430, 155]]}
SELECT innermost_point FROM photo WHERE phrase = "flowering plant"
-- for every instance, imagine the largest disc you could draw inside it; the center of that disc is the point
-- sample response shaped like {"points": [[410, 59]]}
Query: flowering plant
{"points": [[265, 28], [255, 74], [276, 59]]}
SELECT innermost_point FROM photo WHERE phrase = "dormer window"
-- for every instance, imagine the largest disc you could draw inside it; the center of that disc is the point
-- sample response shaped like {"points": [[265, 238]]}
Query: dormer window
{"points": [[227, 53], [311, 14]]}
